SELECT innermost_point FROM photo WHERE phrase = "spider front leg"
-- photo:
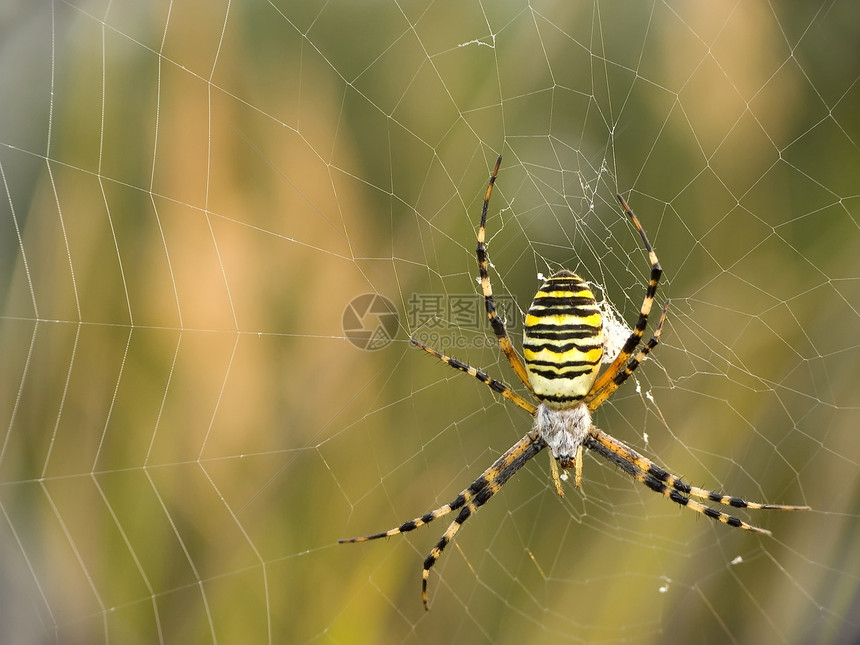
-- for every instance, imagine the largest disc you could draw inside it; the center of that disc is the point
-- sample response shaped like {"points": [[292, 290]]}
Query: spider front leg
{"points": [[673, 487], [468, 501], [492, 480]]}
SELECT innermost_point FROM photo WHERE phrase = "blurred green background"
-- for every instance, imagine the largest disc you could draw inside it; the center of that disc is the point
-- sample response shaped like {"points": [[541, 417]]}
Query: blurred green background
{"points": [[193, 192]]}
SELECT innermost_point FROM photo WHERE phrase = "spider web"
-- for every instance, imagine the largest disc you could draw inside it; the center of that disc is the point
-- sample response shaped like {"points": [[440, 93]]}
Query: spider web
{"points": [[194, 193]]}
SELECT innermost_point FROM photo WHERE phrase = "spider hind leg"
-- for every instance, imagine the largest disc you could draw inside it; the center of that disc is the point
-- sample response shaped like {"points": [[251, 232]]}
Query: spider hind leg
{"points": [[496, 322]]}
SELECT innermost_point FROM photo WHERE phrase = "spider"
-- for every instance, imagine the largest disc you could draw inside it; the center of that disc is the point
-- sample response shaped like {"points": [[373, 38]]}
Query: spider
{"points": [[563, 347]]}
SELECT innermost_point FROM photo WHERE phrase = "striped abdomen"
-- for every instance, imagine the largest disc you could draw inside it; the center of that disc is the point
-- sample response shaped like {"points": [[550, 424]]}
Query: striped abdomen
{"points": [[563, 340]]}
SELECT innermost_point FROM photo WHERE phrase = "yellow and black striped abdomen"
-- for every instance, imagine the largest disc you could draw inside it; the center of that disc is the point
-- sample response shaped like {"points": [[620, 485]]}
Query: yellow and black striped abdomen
{"points": [[563, 340]]}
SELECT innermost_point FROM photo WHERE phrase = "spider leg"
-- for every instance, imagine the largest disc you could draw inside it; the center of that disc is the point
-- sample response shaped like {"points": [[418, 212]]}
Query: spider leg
{"points": [[508, 393], [493, 384], [488, 484], [659, 480], [636, 336], [428, 517], [483, 270], [468, 501], [597, 397]]}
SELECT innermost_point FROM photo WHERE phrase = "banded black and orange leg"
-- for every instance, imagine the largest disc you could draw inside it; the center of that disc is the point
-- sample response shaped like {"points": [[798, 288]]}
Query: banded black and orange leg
{"points": [[497, 386], [596, 397], [494, 477], [636, 336], [468, 501], [661, 481], [496, 322], [506, 391]]}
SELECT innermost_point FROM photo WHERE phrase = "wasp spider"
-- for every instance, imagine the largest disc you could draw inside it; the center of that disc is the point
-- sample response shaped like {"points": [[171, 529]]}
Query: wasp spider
{"points": [[563, 346]]}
